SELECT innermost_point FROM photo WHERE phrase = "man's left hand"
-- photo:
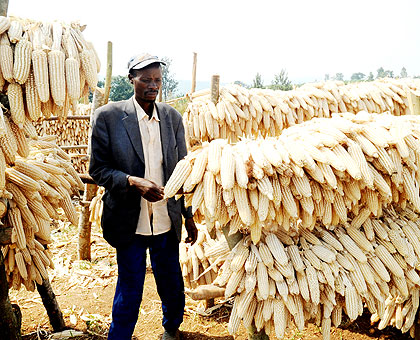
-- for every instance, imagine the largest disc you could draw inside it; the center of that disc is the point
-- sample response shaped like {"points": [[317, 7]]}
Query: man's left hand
{"points": [[191, 230]]}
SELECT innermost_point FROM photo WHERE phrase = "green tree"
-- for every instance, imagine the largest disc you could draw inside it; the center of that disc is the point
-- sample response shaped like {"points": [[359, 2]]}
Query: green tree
{"points": [[389, 74], [358, 76], [339, 76], [240, 83], [281, 81], [326, 77], [257, 82], [169, 84], [403, 73], [370, 77], [121, 88], [380, 73]]}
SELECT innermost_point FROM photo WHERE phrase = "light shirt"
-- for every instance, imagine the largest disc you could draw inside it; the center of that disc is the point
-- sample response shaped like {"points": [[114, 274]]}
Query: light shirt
{"points": [[153, 160]]}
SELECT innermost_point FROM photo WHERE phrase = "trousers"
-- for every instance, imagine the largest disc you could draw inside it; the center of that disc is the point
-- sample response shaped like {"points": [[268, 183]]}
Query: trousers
{"points": [[131, 260]]}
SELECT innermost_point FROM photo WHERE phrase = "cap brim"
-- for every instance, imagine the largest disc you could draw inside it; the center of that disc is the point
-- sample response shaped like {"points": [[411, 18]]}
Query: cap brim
{"points": [[145, 63]]}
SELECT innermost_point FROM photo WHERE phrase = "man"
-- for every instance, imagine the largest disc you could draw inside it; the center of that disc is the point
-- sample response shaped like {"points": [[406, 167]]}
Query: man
{"points": [[135, 146]]}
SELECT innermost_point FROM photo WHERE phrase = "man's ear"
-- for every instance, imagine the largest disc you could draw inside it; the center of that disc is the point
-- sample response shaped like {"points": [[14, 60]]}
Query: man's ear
{"points": [[130, 77]]}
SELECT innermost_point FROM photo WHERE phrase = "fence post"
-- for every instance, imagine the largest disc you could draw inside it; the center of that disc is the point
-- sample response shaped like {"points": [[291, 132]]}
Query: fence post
{"points": [[85, 225], [194, 73]]}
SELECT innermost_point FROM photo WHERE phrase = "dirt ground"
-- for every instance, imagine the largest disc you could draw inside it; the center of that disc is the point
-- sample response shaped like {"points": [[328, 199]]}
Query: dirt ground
{"points": [[85, 291]]}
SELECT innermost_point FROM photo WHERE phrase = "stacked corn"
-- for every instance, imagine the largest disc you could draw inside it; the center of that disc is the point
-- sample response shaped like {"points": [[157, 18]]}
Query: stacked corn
{"points": [[37, 178], [326, 170], [45, 69], [69, 133], [51, 63], [320, 274], [201, 261], [241, 112]]}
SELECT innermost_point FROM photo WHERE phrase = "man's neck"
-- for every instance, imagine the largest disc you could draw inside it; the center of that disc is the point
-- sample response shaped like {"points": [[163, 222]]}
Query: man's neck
{"points": [[147, 107]]}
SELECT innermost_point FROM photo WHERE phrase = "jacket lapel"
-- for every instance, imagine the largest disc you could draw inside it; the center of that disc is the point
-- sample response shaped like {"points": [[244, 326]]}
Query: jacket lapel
{"points": [[131, 124]]}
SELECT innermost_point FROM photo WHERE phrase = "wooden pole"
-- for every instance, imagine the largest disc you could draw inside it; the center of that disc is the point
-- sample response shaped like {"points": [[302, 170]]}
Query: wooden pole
{"points": [[160, 95], [84, 224], [194, 73], [108, 78], [68, 118], [4, 4], [10, 317], [51, 305], [214, 88], [232, 240], [100, 98]]}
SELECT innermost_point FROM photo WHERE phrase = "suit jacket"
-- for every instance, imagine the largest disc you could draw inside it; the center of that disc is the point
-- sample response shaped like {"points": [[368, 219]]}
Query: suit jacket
{"points": [[116, 151]]}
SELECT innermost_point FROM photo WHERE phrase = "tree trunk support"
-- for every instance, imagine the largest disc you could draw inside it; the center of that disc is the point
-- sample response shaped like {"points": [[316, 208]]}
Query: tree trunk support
{"points": [[214, 88], [254, 335], [194, 73], [10, 316], [84, 224], [51, 305], [232, 240], [4, 4], [108, 77]]}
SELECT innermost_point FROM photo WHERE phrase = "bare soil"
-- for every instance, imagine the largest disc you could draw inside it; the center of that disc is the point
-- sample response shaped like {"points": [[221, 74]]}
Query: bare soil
{"points": [[85, 292]]}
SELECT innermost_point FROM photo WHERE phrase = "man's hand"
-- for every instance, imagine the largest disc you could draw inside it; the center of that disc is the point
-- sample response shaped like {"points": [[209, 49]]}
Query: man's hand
{"points": [[148, 189], [191, 230]]}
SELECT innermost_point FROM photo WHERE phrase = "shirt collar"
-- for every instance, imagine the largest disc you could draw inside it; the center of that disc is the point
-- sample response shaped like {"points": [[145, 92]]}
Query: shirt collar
{"points": [[141, 114]]}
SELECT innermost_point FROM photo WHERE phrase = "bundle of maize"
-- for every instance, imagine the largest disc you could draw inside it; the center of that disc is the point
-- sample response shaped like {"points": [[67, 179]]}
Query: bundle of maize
{"points": [[72, 132], [201, 261], [96, 206], [319, 274], [36, 187], [241, 112], [326, 169], [51, 63]]}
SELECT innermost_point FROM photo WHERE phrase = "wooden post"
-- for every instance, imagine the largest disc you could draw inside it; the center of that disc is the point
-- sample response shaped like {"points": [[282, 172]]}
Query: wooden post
{"points": [[4, 4], [84, 224], [214, 88], [10, 319], [51, 305], [99, 98], [160, 95], [194, 73], [417, 327], [108, 78], [254, 335], [232, 240]]}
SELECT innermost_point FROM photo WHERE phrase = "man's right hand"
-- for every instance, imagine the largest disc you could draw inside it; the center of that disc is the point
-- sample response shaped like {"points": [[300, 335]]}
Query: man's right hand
{"points": [[147, 189]]}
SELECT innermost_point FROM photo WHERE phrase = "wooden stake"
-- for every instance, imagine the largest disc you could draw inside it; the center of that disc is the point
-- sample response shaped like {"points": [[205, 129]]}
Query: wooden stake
{"points": [[10, 321], [214, 89], [85, 225], [108, 78], [194, 72], [51, 305], [4, 4]]}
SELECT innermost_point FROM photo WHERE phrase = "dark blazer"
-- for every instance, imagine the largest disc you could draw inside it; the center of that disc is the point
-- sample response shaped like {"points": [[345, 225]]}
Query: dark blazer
{"points": [[116, 151]]}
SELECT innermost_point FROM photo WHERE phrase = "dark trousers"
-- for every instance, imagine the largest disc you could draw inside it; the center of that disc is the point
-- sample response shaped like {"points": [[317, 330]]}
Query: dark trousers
{"points": [[164, 256]]}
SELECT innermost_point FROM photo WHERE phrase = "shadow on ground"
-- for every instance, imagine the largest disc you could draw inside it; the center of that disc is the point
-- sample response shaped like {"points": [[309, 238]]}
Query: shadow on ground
{"points": [[198, 336], [363, 326]]}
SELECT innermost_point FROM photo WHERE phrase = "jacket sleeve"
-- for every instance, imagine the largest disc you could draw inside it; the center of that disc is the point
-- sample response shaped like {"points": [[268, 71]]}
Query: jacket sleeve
{"points": [[101, 167], [182, 152]]}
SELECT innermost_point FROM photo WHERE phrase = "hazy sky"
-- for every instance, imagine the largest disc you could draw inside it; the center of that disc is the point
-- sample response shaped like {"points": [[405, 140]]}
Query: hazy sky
{"points": [[237, 39]]}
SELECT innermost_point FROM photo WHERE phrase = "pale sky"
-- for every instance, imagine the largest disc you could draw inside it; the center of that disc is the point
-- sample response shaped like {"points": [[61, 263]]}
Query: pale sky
{"points": [[237, 39]]}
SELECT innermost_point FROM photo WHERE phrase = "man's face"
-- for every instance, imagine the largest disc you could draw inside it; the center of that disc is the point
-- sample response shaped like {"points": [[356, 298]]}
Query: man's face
{"points": [[147, 83]]}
